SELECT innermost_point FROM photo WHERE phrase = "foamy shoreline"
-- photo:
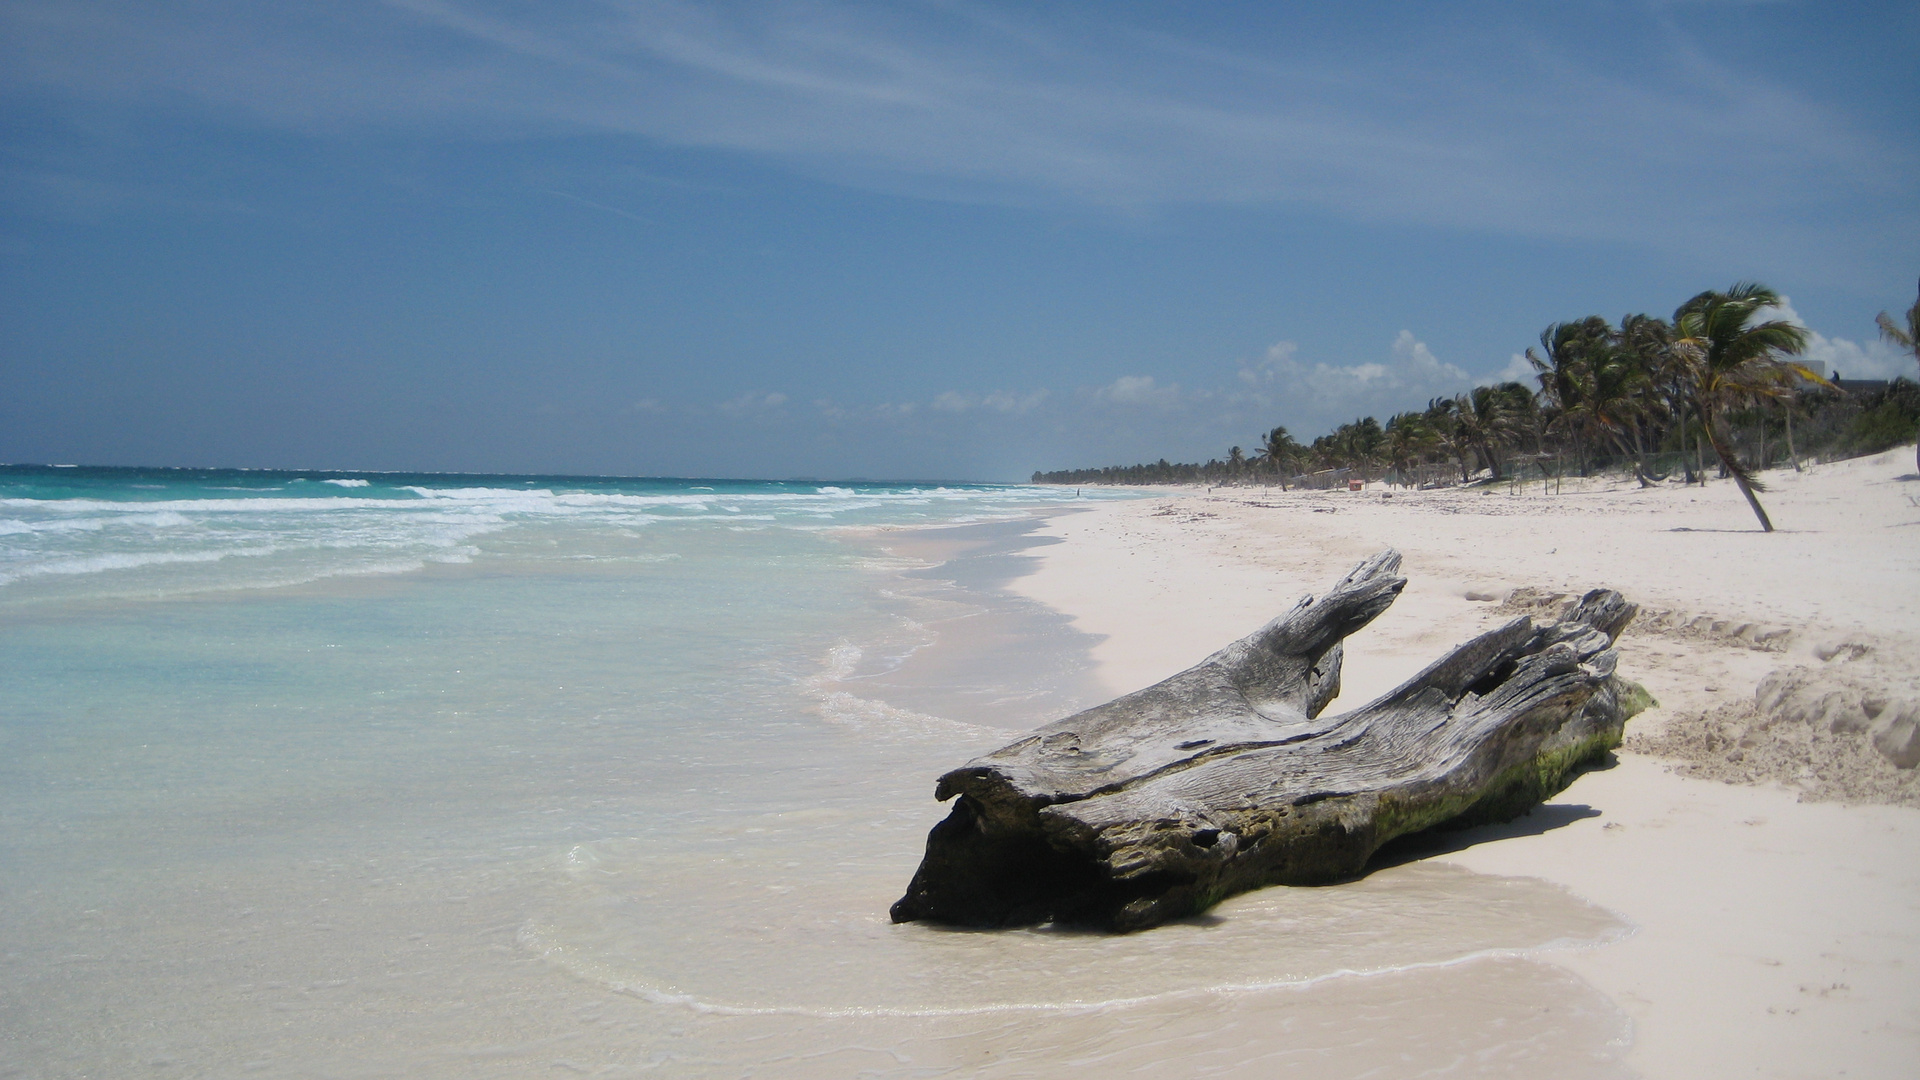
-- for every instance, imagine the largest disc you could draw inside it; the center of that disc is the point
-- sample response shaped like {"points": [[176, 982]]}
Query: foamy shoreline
{"points": [[1776, 937]]}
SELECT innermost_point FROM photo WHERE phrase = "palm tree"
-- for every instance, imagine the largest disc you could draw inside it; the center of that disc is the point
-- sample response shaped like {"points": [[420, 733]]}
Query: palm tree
{"points": [[1567, 372], [1489, 419], [1908, 339], [1619, 386], [1731, 360], [1666, 396], [1278, 451], [1407, 440], [1645, 352], [1357, 444], [1443, 419]]}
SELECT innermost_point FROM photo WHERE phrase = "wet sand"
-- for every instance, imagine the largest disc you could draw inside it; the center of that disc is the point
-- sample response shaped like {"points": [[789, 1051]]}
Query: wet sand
{"points": [[1421, 968]]}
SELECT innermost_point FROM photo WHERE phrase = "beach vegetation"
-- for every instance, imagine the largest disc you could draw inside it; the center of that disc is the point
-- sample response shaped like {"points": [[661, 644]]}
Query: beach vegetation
{"points": [[1733, 356], [1569, 374], [1650, 397], [1278, 453], [1886, 419], [1491, 419], [1905, 337], [1407, 440]]}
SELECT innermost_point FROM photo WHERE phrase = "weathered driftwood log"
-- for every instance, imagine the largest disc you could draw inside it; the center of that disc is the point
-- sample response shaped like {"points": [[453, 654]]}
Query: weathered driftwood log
{"points": [[1223, 778]]}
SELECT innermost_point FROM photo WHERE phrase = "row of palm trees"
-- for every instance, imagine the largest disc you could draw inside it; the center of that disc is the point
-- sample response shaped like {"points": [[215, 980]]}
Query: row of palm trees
{"points": [[1619, 393], [1474, 430], [1623, 385]]}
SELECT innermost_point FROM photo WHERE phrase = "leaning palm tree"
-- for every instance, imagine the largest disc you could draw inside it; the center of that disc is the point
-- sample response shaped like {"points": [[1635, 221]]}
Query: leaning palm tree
{"points": [[1908, 339], [1731, 360]]}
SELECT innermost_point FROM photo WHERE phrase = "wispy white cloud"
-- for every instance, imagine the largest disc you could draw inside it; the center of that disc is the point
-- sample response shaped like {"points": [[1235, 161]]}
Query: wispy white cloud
{"points": [[602, 207], [1142, 415], [1519, 369], [1139, 390], [1493, 126], [1001, 401], [747, 404], [998, 401], [1406, 376], [1871, 359]]}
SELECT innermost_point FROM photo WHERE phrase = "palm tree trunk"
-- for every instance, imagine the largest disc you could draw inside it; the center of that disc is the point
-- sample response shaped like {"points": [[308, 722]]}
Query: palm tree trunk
{"points": [[1792, 454], [1699, 459], [1638, 452], [1717, 441]]}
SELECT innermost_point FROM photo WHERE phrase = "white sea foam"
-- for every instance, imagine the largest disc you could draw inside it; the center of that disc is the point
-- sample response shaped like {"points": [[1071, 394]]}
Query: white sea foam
{"points": [[94, 564], [530, 937], [877, 718], [72, 538]]}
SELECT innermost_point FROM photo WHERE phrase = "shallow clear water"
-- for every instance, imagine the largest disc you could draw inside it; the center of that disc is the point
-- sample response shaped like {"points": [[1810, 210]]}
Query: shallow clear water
{"points": [[374, 775]]}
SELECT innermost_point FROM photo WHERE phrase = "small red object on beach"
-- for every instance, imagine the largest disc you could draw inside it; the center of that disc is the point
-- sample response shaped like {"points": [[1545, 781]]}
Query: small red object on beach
{"points": [[1355, 485]]}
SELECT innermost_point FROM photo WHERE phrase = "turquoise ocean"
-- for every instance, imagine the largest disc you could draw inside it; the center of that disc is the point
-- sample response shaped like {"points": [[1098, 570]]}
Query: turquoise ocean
{"points": [[312, 774]]}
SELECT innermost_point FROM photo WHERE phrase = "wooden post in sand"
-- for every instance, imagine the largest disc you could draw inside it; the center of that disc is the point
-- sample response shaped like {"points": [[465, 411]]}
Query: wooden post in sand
{"points": [[1225, 778]]}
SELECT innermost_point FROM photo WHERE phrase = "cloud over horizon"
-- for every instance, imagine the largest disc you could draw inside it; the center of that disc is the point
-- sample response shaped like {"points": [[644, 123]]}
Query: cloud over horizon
{"points": [[1874, 358]]}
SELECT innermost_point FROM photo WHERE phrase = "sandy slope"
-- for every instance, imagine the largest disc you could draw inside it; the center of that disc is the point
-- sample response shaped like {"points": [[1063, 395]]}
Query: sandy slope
{"points": [[1778, 937]]}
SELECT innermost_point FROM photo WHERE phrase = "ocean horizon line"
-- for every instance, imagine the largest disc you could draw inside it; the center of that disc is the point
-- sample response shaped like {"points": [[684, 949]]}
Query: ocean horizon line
{"points": [[467, 474]]}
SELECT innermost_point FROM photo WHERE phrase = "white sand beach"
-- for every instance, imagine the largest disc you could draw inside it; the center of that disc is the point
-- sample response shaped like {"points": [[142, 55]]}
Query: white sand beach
{"points": [[1776, 920]]}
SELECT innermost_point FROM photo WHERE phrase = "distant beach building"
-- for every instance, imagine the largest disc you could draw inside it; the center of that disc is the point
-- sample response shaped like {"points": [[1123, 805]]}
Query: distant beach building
{"points": [[1851, 386], [1860, 386]]}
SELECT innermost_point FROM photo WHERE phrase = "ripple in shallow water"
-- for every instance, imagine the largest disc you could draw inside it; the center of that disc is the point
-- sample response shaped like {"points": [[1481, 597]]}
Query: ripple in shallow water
{"points": [[786, 921]]}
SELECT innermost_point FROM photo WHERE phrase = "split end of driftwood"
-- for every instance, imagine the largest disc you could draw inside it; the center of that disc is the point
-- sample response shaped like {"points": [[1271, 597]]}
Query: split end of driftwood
{"points": [[1226, 778]]}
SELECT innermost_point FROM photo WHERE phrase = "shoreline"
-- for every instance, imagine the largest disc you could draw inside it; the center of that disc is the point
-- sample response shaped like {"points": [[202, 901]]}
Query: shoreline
{"points": [[991, 657], [1486, 958], [1774, 937]]}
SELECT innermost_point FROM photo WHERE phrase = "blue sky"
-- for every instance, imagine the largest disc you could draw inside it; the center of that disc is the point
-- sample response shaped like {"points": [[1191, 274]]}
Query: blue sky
{"points": [[934, 240]]}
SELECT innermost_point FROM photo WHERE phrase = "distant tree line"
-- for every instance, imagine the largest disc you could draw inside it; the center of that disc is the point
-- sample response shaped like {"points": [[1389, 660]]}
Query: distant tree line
{"points": [[1717, 385]]}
